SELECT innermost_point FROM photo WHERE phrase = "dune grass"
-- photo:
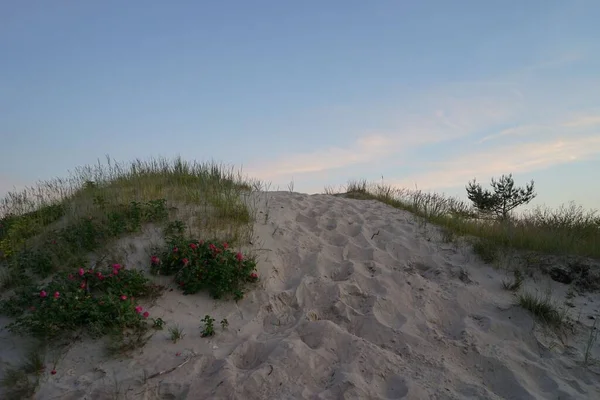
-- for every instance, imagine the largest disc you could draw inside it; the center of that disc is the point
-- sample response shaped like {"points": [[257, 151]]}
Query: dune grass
{"points": [[543, 308], [57, 223], [569, 230], [59, 270]]}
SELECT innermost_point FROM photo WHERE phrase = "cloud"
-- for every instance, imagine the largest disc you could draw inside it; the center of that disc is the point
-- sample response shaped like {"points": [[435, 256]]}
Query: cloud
{"points": [[514, 158], [449, 117], [583, 121], [562, 60], [363, 150], [524, 130], [516, 123]]}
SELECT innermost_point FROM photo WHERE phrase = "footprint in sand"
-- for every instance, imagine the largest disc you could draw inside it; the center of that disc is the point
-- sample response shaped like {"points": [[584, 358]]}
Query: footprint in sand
{"points": [[250, 354], [343, 271], [396, 387]]}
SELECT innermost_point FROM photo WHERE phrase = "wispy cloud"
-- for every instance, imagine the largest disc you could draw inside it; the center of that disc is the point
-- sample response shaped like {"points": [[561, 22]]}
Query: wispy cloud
{"points": [[518, 123], [516, 158], [583, 121], [561, 60], [517, 131], [449, 117]]}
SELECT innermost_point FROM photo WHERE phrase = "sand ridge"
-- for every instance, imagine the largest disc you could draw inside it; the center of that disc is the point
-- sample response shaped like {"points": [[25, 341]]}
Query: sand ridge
{"points": [[355, 301]]}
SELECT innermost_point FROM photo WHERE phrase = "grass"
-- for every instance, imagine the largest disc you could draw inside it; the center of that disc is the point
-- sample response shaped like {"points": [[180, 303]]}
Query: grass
{"points": [[18, 384], [21, 382], [543, 308], [568, 230], [60, 266], [516, 283], [176, 333], [587, 360]]}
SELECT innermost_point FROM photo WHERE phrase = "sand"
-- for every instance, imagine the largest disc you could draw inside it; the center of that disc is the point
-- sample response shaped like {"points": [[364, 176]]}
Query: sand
{"points": [[357, 300]]}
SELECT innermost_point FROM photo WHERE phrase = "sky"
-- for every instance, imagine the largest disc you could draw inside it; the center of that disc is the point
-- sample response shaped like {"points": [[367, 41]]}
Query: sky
{"points": [[426, 94]]}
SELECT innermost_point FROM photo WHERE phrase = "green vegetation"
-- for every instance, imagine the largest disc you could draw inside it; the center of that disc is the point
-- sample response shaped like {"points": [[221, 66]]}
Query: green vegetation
{"points": [[569, 230], [176, 333], [543, 308], [503, 200], [592, 337], [209, 328], [62, 264], [97, 301], [199, 265]]}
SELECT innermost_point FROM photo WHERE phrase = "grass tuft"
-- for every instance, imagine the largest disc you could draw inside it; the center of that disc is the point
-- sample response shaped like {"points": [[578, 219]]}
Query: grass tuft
{"points": [[543, 308], [176, 333]]}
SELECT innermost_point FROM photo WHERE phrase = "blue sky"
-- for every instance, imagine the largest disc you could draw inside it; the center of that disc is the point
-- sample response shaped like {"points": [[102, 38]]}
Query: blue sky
{"points": [[432, 93]]}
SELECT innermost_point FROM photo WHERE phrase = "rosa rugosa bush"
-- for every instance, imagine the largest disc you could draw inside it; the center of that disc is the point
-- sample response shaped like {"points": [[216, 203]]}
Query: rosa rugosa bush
{"points": [[200, 265], [97, 301]]}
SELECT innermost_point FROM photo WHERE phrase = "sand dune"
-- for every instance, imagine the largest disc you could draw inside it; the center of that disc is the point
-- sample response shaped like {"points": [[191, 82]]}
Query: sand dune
{"points": [[356, 301]]}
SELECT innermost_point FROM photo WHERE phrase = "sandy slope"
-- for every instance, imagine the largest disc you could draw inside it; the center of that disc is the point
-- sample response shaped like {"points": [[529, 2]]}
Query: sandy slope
{"points": [[356, 301]]}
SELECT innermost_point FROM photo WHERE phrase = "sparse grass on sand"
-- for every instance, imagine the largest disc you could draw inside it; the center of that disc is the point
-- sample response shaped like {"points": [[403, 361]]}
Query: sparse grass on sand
{"points": [[569, 230], [543, 308], [60, 270]]}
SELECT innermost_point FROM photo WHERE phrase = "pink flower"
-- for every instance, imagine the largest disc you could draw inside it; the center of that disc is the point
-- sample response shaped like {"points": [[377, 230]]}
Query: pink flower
{"points": [[239, 257], [123, 297], [81, 272], [53, 372], [115, 272], [201, 242], [43, 294], [138, 309], [117, 266], [82, 285], [175, 249], [212, 247], [71, 277], [225, 245], [56, 295], [155, 260], [254, 276], [193, 246], [185, 261], [146, 314]]}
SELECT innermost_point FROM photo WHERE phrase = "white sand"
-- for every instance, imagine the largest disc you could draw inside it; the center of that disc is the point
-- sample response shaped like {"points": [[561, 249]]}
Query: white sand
{"points": [[356, 301]]}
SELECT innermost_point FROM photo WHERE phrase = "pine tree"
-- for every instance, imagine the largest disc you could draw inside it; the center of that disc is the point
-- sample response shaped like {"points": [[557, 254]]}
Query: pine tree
{"points": [[504, 198]]}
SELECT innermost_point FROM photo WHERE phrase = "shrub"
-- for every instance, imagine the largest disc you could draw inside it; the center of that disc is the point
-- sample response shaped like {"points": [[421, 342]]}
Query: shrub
{"points": [[199, 265], [98, 301]]}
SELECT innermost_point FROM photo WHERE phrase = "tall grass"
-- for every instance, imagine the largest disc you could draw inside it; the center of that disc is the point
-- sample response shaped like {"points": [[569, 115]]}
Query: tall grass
{"points": [[543, 308], [96, 203], [567, 230]]}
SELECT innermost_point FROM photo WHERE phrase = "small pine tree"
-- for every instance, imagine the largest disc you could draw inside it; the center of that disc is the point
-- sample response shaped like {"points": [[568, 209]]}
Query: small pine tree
{"points": [[504, 198]]}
